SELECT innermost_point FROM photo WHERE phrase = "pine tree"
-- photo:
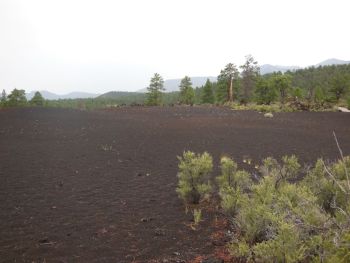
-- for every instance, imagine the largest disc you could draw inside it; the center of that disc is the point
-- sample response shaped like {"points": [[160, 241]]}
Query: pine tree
{"points": [[37, 100], [339, 86], [207, 93], [229, 75], [186, 91], [155, 90], [250, 72], [17, 98], [282, 83], [265, 92], [3, 97]]}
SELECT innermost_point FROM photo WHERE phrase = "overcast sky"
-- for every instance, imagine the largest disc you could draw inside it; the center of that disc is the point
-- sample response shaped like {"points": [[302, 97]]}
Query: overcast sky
{"points": [[99, 45]]}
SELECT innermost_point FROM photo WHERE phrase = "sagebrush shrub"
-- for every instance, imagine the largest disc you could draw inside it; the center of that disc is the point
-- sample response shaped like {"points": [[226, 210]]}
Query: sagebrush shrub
{"points": [[280, 218], [194, 182], [289, 222], [232, 184]]}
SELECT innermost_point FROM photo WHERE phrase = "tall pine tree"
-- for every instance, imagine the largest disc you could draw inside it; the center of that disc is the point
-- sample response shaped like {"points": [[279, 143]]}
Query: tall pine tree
{"points": [[155, 91], [186, 91], [207, 95], [250, 72], [3, 97], [229, 75]]}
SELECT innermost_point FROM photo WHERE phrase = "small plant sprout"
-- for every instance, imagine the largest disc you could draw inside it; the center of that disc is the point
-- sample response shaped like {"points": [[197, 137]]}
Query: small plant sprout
{"points": [[197, 216]]}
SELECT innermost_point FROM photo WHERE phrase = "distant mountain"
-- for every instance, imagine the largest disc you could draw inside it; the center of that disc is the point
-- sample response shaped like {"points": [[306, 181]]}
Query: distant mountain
{"points": [[46, 94], [120, 94], [332, 61], [52, 96], [79, 95], [267, 68], [171, 85]]}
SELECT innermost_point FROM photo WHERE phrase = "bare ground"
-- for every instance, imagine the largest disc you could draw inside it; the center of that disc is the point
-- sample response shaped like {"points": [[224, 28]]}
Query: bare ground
{"points": [[79, 186]]}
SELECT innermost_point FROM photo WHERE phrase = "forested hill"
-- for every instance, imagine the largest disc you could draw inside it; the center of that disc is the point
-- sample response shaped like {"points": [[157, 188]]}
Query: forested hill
{"points": [[323, 81]]}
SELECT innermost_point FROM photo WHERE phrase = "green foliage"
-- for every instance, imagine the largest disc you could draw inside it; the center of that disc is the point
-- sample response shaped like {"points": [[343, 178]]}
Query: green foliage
{"points": [[207, 94], [250, 73], [194, 171], [297, 93], [228, 77], [332, 80], [348, 102], [3, 98], [232, 184], [320, 96], [187, 95], [339, 86], [330, 190], [221, 92], [17, 98], [197, 216], [37, 99], [281, 221], [282, 83], [265, 93], [230, 177], [155, 91]]}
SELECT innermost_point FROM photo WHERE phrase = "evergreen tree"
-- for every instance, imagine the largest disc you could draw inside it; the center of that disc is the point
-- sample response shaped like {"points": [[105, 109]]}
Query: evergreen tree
{"points": [[155, 91], [3, 97], [186, 91], [265, 92], [37, 100], [250, 72], [207, 93], [282, 83], [339, 86], [17, 98], [229, 75]]}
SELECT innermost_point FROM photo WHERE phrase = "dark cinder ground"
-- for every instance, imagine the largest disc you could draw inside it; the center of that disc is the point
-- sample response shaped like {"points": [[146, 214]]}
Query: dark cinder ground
{"points": [[78, 186]]}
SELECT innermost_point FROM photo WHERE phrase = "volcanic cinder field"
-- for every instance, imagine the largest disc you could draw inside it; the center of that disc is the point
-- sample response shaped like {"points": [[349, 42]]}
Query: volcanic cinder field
{"points": [[99, 186]]}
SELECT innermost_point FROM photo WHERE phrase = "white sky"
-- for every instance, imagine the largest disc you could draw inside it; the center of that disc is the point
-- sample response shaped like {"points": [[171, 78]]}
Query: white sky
{"points": [[100, 45]]}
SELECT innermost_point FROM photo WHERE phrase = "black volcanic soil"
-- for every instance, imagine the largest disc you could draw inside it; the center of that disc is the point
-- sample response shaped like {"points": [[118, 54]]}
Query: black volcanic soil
{"points": [[79, 186]]}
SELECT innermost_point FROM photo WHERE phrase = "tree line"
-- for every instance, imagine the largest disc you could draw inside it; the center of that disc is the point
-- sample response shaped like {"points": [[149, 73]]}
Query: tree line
{"points": [[314, 86], [17, 98], [320, 86]]}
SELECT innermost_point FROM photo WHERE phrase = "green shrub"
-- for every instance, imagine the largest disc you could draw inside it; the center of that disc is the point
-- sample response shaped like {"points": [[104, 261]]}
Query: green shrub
{"points": [[281, 221], [280, 218], [348, 102], [331, 191], [232, 184], [194, 171]]}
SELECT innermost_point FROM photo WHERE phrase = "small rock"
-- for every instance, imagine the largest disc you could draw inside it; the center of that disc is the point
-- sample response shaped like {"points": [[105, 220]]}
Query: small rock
{"points": [[44, 240], [159, 232], [343, 109], [176, 253], [268, 115], [146, 219]]}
